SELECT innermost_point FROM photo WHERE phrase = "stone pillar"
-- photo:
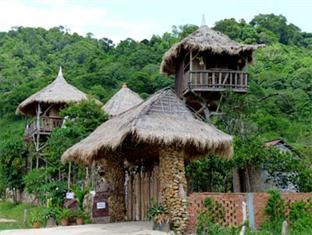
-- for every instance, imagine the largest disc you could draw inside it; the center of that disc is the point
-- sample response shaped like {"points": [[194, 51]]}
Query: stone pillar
{"points": [[115, 176], [173, 187]]}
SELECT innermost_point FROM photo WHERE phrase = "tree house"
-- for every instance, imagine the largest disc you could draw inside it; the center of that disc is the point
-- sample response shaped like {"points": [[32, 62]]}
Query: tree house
{"points": [[205, 65], [42, 109]]}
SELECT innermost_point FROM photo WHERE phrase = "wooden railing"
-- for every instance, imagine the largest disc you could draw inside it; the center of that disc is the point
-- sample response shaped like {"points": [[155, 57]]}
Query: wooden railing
{"points": [[216, 80], [46, 125]]}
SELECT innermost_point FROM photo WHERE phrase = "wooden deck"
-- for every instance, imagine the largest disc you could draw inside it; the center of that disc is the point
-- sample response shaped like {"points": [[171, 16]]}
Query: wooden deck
{"points": [[44, 126], [216, 80]]}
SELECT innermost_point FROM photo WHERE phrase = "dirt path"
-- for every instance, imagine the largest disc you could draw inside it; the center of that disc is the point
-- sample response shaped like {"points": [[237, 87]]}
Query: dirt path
{"points": [[129, 228], [7, 220]]}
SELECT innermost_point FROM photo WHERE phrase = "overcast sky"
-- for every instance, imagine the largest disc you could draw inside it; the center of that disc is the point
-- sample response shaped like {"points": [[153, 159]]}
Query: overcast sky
{"points": [[139, 19]]}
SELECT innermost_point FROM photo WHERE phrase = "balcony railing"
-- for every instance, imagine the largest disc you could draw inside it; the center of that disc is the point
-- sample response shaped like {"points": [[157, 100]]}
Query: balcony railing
{"points": [[216, 80], [46, 125]]}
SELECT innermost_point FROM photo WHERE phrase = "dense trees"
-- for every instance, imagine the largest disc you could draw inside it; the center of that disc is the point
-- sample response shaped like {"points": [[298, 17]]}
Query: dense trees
{"points": [[278, 104]]}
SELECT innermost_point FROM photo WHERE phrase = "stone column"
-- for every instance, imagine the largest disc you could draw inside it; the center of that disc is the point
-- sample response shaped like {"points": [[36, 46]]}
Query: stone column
{"points": [[173, 187], [115, 176]]}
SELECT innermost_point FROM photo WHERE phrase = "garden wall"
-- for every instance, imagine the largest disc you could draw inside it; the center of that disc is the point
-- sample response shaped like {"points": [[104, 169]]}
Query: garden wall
{"points": [[233, 206]]}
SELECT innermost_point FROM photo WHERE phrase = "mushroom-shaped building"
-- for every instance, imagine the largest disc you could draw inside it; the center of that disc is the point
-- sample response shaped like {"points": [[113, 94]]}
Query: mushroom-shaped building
{"points": [[161, 130], [123, 100]]}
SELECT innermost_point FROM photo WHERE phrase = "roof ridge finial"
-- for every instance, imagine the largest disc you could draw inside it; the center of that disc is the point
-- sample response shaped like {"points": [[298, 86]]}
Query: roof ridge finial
{"points": [[60, 74], [203, 22]]}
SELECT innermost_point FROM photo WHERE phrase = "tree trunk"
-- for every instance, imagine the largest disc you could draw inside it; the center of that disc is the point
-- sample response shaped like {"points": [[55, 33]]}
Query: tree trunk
{"points": [[173, 187], [236, 181]]}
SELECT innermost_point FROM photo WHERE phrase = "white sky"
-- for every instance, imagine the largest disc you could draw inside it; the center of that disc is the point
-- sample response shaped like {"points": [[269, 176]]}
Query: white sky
{"points": [[139, 19]]}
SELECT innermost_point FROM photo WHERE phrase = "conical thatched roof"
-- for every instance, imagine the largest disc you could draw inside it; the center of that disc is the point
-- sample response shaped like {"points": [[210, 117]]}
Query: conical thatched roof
{"points": [[204, 39], [122, 101], [58, 92], [162, 120]]}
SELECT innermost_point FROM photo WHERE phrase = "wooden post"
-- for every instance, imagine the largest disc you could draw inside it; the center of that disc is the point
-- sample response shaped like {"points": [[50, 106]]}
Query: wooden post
{"points": [[285, 228], [69, 174], [38, 111], [236, 181], [191, 67], [173, 187], [93, 169]]}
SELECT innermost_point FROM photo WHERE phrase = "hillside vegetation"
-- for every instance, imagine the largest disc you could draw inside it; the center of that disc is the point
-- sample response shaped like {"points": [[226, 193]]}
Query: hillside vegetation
{"points": [[278, 105]]}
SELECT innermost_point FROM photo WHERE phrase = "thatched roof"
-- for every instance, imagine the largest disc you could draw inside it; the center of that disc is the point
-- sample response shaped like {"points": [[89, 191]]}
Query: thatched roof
{"points": [[204, 39], [58, 92], [122, 101], [161, 120]]}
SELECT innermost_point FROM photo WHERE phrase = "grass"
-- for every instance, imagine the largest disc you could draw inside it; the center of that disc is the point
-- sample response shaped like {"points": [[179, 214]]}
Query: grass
{"points": [[10, 210]]}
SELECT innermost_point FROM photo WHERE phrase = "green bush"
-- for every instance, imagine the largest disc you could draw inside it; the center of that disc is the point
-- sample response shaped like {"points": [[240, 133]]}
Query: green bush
{"points": [[64, 213], [275, 213], [300, 217], [37, 216], [44, 188], [155, 210], [80, 193]]}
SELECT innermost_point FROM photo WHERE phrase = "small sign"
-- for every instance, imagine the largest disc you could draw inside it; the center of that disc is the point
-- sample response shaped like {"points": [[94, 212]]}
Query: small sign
{"points": [[70, 195], [100, 205]]}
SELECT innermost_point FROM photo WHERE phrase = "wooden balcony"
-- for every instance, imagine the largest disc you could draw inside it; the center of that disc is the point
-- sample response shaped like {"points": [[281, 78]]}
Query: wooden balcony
{"points": [[216, 80], [44, 127]]}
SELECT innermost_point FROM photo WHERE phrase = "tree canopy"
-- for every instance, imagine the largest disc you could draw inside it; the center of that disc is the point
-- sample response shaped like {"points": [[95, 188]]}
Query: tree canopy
{"points": [[278, 104]]}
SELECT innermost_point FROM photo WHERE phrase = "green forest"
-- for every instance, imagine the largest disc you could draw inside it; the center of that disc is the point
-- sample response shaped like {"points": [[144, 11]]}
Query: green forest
{"points": [[278, 104]]}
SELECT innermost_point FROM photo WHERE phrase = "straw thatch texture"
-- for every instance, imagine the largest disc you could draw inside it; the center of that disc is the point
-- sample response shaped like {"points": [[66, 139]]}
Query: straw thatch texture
{"points": [[162, 120], [122, 101], [204, 39], [58, 92]]}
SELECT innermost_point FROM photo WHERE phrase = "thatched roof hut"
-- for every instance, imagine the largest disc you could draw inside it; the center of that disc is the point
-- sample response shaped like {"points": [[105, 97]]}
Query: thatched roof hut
{"points": [[58, 92], [205, 39], [122, 101], [163, 120]]}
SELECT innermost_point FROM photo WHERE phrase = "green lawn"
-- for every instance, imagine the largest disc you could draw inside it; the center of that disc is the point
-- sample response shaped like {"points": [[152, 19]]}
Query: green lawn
{"points": [[10, 210]]}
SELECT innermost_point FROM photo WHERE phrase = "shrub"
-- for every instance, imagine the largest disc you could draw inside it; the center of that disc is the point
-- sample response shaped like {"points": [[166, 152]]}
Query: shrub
{"points": [[275, 212], [63, 213], [157, 213], [300, 217]]}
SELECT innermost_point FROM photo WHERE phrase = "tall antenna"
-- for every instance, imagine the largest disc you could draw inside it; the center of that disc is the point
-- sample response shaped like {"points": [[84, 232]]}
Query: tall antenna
{"points": [[203, 22]]}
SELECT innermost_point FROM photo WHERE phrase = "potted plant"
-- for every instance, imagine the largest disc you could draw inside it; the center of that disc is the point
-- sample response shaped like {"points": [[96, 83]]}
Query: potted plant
{"points": [[50, 217], [157, 214], [80, 216], [36, 219], [63, 216]]}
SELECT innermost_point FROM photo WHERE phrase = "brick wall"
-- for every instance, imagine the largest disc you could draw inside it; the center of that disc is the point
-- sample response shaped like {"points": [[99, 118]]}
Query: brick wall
{"points": [[233, 206]]}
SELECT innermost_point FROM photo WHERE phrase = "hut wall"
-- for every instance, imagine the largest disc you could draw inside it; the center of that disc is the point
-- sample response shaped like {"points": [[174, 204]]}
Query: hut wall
{"points": [[173, 187], [179, 81], [54, 111], [141, 188]]}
